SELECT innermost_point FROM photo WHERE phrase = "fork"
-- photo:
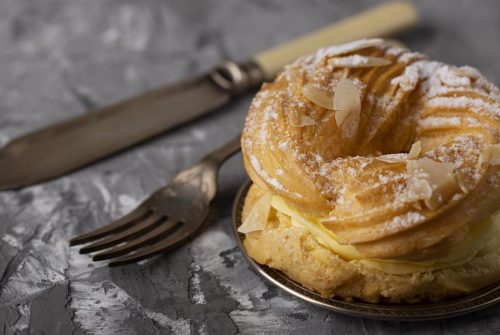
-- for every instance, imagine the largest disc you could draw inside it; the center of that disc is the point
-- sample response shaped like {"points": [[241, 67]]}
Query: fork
{"points": [[169, 217]]}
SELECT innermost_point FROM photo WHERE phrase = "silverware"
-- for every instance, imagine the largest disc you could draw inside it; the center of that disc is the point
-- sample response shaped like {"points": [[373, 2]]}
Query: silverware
{"points": [[167, 218], [67, 146]]}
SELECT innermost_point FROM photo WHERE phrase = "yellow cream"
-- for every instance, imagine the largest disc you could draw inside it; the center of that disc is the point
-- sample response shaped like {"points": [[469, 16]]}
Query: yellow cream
{"points": [[323, 235], [460, 254]]}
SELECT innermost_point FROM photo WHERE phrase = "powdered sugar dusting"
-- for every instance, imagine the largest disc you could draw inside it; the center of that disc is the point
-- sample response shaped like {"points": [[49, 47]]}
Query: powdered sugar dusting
{"points": [[452, 78], [404, 221], [414, 73], [268, 111], [261, 96], [416, 100], [256, 166], [475, 104], [437, 121]]}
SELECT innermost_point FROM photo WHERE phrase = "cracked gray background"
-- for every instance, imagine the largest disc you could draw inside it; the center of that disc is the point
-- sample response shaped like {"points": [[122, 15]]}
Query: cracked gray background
{"points": [[63, 58]]}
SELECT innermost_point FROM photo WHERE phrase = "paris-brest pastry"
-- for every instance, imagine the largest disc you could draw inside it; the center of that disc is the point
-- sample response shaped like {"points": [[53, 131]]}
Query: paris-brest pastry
{"points": [[376, 175]]}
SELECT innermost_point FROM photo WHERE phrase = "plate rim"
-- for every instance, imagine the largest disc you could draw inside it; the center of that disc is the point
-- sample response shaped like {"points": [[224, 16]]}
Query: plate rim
{"points": [[473, 302]]}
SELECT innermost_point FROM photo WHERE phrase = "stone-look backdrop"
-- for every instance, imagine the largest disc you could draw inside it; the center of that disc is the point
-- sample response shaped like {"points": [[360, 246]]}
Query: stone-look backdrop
{"points": [[63, 58]]}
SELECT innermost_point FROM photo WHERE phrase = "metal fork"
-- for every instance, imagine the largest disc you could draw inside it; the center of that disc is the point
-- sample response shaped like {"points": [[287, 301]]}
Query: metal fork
{"points": [[169, 217]]}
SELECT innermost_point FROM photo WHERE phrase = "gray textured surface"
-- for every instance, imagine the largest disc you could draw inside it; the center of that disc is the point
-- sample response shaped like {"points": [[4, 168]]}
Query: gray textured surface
{"points": [[61, 58]]}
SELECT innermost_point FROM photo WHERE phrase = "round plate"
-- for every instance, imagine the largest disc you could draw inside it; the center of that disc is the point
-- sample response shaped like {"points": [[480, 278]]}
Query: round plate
{"points": [[417, 312]]}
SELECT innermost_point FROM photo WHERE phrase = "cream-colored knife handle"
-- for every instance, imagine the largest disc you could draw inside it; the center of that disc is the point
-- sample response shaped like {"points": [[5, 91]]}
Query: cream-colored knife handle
{"points": [[380, 21]]}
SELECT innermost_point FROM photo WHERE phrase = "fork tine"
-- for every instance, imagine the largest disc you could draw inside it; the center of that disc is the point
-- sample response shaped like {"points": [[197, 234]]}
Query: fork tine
{"points": [[171, 241], [151, 237], [117, 226], [138, 229]]}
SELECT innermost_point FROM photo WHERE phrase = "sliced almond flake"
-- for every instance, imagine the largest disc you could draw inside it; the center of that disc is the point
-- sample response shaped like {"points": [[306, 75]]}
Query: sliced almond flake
{"points": [[318, 96], [415, 150], [347, 104], [418, 184], [489, 155], [353, 46], [258, 216], [410, 57], [461, 182], [392, 158], [431, 181], [302, 121], [356, 61]]}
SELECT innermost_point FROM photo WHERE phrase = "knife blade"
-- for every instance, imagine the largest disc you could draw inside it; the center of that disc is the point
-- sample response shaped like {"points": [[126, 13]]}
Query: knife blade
{"points": [[72, 144]]}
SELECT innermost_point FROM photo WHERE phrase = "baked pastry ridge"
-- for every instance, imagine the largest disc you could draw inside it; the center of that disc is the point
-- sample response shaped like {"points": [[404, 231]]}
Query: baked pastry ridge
{"points": [[376, 174]]}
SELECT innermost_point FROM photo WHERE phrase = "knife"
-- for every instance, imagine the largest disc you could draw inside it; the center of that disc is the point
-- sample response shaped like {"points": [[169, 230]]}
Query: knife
{"points": [[64, 147]]}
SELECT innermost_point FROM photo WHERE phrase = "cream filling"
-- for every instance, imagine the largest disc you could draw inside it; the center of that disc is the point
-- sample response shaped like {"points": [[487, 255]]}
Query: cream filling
{"points": [[462, 253]]}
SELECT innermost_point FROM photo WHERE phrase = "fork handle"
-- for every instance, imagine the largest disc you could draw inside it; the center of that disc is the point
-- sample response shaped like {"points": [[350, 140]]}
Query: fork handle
{"points": [[220, 155]]}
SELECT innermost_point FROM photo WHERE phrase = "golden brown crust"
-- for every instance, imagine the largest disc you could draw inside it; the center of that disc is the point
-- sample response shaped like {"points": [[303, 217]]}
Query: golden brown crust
{"points": [[293, 147], [331, 136], [297, 253]]}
